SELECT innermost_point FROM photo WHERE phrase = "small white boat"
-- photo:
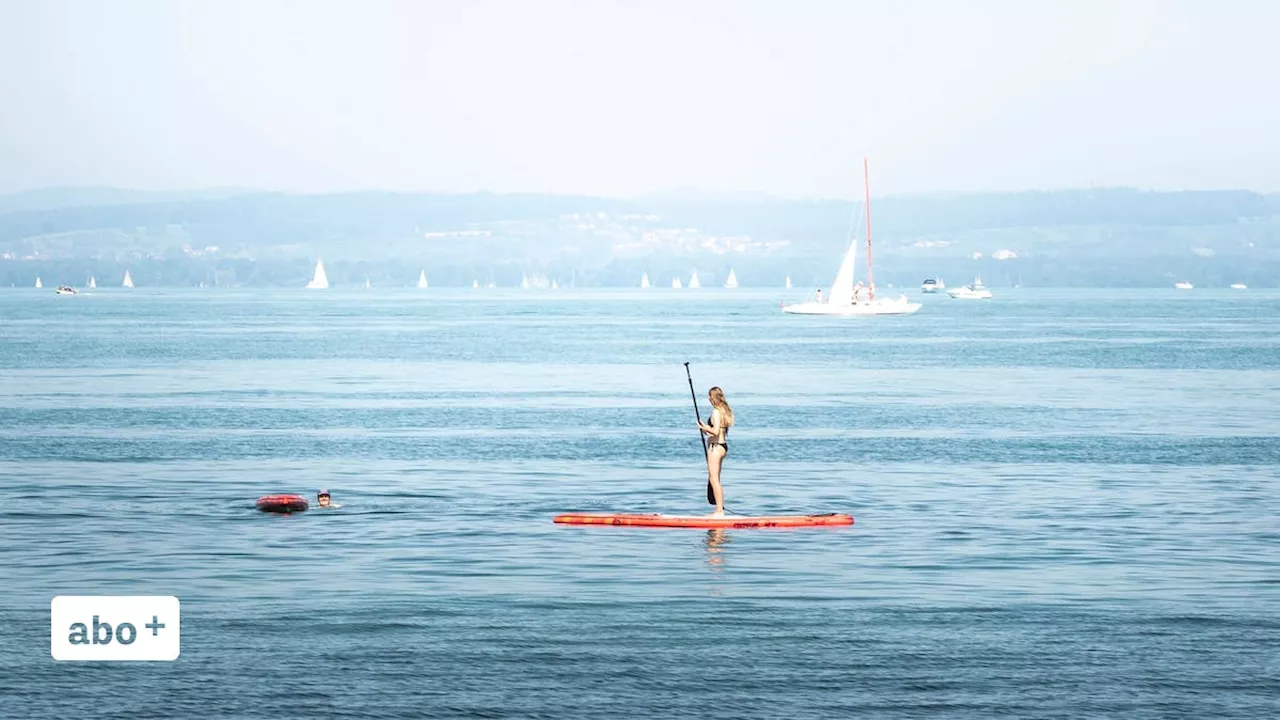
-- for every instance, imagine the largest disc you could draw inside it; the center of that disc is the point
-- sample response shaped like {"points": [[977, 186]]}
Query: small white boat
{"points": [[932, 285], [732, 282], [788, 282], [128, 280], [475, 284], [693, 281], [93, 284], [644, 280], [675, 284], [422, 280], [847, 300], [1239, 286], [1184, 285], [974, 291], [319, 281], [66, 290], [367, 285], [38, 283], [554, 285]]}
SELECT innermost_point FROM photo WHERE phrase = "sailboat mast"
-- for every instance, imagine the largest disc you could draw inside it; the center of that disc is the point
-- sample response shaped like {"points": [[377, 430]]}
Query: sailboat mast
{"points": [[866, 184]]}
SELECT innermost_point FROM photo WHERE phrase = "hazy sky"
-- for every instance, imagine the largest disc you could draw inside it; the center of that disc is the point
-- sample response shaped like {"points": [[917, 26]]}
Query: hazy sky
{"points": [[623, 98]]}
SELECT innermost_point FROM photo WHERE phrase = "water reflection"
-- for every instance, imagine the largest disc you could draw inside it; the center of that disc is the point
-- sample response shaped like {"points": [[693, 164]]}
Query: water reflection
{"points": [[714, 544]]}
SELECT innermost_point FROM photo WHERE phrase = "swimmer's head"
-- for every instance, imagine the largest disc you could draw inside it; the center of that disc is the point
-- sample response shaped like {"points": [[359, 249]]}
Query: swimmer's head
{"points": [[322, 498]]}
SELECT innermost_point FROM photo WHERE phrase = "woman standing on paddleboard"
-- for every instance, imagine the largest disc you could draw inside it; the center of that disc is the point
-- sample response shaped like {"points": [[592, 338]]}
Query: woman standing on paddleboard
{"points": [[717, 430]]}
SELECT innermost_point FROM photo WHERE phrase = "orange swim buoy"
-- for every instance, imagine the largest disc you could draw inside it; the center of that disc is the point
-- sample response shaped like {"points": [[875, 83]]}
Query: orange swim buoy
{"points": [[282, 503]]}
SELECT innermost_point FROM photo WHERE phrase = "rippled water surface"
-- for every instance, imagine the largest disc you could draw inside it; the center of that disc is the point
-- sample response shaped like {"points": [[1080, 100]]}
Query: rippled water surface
{"points": [[1067, 504]]}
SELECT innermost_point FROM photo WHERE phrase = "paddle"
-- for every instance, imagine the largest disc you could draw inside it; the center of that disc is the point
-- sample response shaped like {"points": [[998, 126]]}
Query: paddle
{"points": [[711, 495]]}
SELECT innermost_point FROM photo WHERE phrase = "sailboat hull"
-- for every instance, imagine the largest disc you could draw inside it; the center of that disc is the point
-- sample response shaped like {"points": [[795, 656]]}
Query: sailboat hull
{"points": [[878, 307]]}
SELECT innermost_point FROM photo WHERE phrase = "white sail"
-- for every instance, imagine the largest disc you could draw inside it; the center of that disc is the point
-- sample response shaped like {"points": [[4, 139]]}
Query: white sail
{"points": [[367, 284], [38, 283], [524, 281], [422, 280], [475, 284], [732, 282], [788, 282], [319, 281], [555, 285], [92, 283], [675, 284], [841, 292], [644, 280], [128, 280], [693, 281]]}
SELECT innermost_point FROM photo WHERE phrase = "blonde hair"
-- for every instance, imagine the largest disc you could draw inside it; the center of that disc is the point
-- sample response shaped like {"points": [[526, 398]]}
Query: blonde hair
{"points": [[718, 402]]}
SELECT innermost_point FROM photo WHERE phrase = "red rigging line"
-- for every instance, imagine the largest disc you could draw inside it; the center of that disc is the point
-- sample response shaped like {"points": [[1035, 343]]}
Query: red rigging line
{"points": [[866, 184]]}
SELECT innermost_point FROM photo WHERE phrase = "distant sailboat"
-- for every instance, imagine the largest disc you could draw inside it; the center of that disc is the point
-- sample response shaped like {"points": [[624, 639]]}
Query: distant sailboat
{"points": [[319, 281], [788, 282], [422, 280], [555, 285], [367, 285], [93, 284], [644, 280], [693, 281], [675, 283], [845, 298], [475, 284], [38, 283], [524, 281], [732, 282], [128, 280]]}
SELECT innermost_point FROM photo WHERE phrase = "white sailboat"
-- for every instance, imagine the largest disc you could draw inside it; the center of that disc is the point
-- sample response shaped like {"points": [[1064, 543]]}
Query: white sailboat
{"points": [[1184, 285], [644, 280], [128, 280], [675, 283], [524, 281], [1239, 286], [367, 285], [422, 280], [732, 282], [844, 299], [693, 281], [788, 282], [93, 284], [38, 283], [475, 284], [554, 285], [319, 281]]}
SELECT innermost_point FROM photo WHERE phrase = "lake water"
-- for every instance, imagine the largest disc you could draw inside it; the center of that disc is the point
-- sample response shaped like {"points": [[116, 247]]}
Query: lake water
{"points": [[1067, 503]]}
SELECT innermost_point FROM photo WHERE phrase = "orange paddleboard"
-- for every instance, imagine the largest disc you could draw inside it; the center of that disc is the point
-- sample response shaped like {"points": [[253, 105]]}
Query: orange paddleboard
{"points": [[735, 522]]}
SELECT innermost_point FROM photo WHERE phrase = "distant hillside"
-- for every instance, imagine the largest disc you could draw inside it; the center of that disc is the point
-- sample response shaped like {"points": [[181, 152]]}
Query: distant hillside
{"points": [[57, 198], [1066, 237]]}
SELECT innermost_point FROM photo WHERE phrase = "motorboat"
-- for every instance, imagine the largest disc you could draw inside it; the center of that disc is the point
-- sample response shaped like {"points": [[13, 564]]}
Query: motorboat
{"points": [[973, 291]]}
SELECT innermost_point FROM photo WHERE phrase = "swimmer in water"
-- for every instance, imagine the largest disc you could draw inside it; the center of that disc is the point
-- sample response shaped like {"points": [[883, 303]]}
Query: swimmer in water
{"points": [[323, 500]]}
